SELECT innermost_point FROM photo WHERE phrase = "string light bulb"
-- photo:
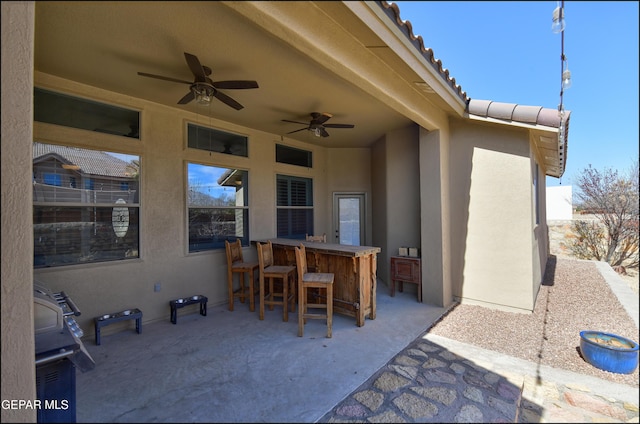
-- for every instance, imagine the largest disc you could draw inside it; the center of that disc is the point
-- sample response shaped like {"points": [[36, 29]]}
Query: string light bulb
{"points": [[566, 77], [557, 26], [565, 74], [565, 80]]}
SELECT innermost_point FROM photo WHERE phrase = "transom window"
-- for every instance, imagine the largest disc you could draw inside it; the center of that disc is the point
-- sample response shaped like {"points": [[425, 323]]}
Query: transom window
{"points": [[293, 156], [75, 112], [216, 141], [85, 205], [294, 206], [218, 208]]}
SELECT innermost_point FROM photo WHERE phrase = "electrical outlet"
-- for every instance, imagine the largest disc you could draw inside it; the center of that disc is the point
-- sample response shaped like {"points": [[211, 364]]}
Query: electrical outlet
{"points": [[156, 287]]}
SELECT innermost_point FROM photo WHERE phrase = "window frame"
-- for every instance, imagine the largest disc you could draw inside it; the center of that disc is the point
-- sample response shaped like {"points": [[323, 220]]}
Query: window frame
{"points": [[189, 125], [63, 219], [73, 111], [289, 155], [291, 209], [217, 242]]}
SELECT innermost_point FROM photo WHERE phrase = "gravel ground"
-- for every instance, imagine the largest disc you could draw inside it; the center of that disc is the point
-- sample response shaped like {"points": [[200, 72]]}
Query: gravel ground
{"points": [[573, 297]]}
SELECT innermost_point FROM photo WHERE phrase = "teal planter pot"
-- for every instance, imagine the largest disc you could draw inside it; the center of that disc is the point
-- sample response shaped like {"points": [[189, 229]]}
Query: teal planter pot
{"points": [[609, 352]]}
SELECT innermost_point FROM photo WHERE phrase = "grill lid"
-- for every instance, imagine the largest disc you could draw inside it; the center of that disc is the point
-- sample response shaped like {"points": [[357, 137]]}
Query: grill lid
{"points": [[54, 340]]}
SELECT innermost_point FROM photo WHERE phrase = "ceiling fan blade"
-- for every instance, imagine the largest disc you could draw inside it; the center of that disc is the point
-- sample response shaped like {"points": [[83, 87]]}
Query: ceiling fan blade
{"points": [[144, 74], [324, 132], [235, 84], [339, 125], [320, 118], [187, 98], [294, 122], [227, 100], [301, 129], [196, 67]]}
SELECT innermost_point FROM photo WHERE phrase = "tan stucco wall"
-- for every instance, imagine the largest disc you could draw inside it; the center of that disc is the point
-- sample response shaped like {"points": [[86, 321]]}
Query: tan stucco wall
{"points": [[403, 193], [540, 242], [436, 217], [18, 370], [397, 191], [410, 181], [493, 241], [379, 205]]}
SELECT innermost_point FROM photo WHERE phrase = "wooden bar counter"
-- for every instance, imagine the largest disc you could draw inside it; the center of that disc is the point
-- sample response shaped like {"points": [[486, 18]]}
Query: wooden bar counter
{"points": [[354, 269]]}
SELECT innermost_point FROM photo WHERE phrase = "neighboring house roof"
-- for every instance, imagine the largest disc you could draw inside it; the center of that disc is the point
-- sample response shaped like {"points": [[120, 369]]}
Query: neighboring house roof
{"points": [[393, 12], [231, 178], [93, 162]]}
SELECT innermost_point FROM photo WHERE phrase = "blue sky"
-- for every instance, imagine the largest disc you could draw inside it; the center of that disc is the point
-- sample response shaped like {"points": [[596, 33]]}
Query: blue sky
{"points": [[506, 52], [203, 178]]}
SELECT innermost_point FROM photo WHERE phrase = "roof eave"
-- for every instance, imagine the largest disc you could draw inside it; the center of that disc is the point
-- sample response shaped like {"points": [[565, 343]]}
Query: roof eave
{"points": [[440, 81], [544, 124]]}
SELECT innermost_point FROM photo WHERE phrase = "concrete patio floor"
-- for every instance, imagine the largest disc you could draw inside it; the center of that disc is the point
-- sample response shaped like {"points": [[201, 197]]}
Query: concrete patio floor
{"points": [[232, 367]]}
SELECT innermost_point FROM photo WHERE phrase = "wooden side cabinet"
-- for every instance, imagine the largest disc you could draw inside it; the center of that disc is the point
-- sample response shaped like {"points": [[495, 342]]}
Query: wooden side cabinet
{"points": [[406, 269]]}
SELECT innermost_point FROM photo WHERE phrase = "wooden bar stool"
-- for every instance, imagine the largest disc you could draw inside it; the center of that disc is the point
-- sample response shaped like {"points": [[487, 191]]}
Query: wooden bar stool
{"points": [[314, 280], [237, 265], [285, 273], [316, 239]]}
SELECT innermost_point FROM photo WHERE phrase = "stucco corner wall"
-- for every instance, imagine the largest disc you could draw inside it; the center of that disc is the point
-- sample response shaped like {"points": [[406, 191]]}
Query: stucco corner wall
{"points": [[395, 193], [491, 207], [435, 217], [18, 370]]}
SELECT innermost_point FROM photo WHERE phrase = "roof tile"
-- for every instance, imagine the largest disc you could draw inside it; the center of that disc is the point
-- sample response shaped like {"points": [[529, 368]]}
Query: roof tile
{"points": [[479, 107], [501, 110], [393, 11], [528, 114], [549, 117]]}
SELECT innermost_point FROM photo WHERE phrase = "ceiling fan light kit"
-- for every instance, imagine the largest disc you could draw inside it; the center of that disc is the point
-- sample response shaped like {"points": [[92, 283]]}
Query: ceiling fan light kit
{"points": [[203, 93]]}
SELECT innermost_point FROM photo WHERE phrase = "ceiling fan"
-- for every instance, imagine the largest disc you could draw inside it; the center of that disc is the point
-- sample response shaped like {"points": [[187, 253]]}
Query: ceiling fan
{"points": [[202, 88], [317, 124]]}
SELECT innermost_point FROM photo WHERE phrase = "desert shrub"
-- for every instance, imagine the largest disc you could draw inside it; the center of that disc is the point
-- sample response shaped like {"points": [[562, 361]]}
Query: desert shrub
{"points": [[613, 198]]}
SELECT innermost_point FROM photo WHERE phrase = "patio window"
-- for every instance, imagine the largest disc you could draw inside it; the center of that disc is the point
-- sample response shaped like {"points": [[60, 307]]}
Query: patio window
{"points": [[218, 208], [293, 156], [294, 206], [75, 112], [211, 140], [95, 223]]}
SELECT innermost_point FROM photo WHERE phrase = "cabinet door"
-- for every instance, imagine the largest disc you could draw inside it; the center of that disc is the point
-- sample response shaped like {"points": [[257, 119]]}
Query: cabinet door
{"points": [[405, 269]]}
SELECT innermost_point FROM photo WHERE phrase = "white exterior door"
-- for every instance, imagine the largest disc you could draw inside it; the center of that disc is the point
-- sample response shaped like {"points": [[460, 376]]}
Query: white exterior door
{"points": [[348, 218]]}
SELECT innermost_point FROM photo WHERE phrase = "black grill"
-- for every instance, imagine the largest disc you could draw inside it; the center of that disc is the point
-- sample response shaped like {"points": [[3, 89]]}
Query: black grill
{"points": [[59, 351]]}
